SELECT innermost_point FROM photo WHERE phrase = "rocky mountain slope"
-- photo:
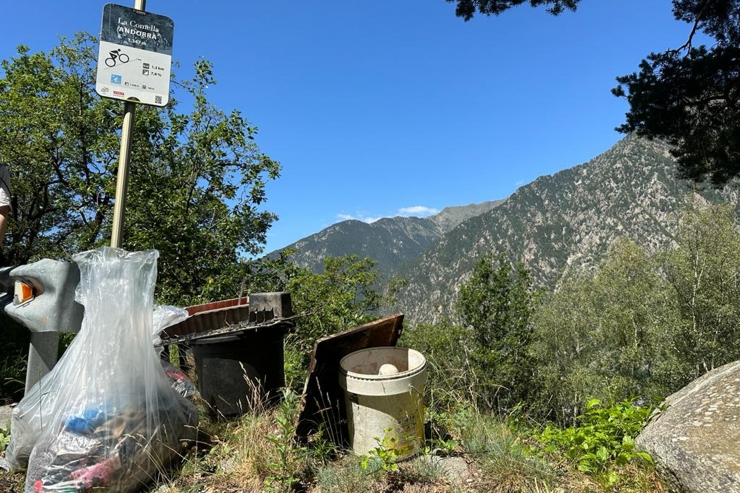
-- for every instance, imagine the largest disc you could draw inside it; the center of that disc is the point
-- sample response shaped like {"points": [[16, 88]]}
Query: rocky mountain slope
{"points": [[556, 225], [560, 224]]}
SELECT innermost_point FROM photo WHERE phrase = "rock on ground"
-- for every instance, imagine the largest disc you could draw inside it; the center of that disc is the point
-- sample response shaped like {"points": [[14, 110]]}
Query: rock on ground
{"points": [[455, 469], [5, 413], [695, 442]]}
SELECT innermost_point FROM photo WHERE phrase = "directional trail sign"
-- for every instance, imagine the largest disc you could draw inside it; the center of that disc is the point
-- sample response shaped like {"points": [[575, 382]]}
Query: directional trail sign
{"points": [[135, 56]]}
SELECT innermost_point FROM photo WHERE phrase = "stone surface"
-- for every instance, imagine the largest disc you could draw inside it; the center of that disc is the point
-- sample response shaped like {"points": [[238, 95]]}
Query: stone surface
{"points": [[695, 442], [5, 414], [455, 469]]}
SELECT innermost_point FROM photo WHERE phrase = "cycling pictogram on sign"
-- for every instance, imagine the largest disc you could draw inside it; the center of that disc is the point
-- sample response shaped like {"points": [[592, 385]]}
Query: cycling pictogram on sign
{"points": [[116, 56]]}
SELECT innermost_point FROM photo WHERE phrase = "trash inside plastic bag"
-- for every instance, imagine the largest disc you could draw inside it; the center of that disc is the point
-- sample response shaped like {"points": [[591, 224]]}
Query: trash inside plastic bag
{"points": [[106, 415], [166, 316], [179, 382]]}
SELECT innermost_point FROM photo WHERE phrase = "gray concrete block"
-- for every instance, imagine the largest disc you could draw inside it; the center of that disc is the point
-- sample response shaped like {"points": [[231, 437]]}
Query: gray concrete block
{"points": [[267, 306]]}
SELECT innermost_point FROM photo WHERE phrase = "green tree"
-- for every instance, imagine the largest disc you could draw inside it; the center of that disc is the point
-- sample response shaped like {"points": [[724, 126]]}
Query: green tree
{"points": [[565, 344], [608, 336], [197, 179], [467, 8], [688, 96], [641, 325], [339, 298], [271, 273], [704, 271], [496, 304], [445, 348]]}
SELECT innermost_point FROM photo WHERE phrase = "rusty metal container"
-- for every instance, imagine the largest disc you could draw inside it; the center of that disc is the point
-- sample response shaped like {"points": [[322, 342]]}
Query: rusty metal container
{"points": [[238, 349]]}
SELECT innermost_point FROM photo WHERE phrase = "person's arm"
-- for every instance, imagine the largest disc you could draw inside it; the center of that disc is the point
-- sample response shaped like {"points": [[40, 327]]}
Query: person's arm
{"points": [[4, 202], [4, 211]]}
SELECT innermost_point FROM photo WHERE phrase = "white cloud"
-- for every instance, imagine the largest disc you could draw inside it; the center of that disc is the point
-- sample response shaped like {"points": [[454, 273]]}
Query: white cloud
{"points": [[417, 210]]}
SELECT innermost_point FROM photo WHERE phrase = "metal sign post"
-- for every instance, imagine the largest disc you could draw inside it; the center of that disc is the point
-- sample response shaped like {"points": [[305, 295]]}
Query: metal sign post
{"points": [[134, 63], [124, 157]]}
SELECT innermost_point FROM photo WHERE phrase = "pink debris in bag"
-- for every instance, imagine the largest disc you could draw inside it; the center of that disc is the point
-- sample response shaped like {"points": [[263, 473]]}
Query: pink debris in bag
{"points": [[99, 474]]}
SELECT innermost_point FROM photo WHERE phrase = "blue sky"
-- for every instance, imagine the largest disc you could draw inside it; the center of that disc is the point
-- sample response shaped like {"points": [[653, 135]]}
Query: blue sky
{"points": [[397, 107]]}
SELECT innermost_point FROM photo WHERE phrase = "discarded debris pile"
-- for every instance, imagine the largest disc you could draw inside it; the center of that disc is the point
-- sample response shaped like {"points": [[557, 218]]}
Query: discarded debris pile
{"points": [[112, 413], [110, 416]]}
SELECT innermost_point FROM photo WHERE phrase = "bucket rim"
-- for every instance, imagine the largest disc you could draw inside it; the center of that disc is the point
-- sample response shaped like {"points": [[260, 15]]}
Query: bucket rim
{"points": [[383, 378]]}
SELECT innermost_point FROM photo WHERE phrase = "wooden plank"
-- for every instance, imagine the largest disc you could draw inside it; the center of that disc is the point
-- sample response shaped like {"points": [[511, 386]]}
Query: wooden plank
{"points": [[322, 402]]}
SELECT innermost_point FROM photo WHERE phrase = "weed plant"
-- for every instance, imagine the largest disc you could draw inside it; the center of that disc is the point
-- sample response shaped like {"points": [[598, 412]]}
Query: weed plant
{"points": [[284, 469], [604, 441], [346, 475], [257, 453], [4, 438]]}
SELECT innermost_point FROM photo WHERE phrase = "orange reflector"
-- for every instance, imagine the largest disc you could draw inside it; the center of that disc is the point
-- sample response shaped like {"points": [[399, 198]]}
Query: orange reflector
{"points": [[23, 293]]}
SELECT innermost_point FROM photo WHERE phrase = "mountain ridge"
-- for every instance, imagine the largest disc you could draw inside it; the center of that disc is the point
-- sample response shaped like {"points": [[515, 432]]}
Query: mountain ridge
{"points": [[391, 241], [558, 225]]}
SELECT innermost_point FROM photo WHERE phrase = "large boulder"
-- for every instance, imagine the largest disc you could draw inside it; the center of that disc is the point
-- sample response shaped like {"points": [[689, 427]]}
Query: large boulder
{"points": [[695, 442]]}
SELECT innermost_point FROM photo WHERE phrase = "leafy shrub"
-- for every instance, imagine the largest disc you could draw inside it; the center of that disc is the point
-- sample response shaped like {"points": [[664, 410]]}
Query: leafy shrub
{"points": [[605, 438], [4, 439], [451, 380]]}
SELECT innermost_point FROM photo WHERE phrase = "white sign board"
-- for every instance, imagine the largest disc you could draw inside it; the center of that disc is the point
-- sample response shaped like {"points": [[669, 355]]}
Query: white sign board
{"points": [[135, 56]]}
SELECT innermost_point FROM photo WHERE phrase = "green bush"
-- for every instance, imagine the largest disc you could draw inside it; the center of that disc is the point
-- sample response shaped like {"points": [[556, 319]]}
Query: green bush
{"points": [[605, 438], [450, 377], [4, 439]]}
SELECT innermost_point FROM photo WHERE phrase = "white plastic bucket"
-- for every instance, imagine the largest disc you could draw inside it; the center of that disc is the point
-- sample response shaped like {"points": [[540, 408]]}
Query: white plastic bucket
{"points": [[384, 394]]}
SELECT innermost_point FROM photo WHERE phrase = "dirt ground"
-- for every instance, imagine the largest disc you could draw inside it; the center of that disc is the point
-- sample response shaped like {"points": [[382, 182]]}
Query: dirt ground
{"points": [[10, 483]]}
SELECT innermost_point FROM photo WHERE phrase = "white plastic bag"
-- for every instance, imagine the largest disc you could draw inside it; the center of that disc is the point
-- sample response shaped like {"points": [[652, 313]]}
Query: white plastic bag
{"points": [[166, 316], [106, 415]]}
